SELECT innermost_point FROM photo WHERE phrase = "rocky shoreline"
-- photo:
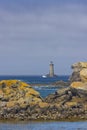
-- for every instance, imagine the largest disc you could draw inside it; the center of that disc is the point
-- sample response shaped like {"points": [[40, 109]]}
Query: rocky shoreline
{"points": [[19, 101], [63, 105]]}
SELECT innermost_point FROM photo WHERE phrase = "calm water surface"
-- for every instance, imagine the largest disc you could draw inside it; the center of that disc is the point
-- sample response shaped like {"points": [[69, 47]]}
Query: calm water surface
{"points": [[44, 126]]}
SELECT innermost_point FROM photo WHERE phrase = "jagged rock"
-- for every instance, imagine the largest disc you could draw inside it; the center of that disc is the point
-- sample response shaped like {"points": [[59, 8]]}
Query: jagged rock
{"points": [[77, 85], [75, 77], [20, 101], [83, 75], [79, 66], [60, 97], [16, 96], [79, 88], [79, 79], [62, 92], [79, 72], [43, 104]]}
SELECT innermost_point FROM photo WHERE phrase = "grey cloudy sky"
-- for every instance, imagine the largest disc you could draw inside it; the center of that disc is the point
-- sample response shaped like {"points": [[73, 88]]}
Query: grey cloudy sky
{"points": [[34, 33]]}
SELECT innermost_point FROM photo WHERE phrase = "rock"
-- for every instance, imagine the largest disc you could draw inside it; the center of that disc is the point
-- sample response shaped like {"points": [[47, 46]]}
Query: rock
{"points": [[32, 92], [79, 79], [75, 77], [62, 92], [15, 97], [79, 66], [83, 75], [43, 104], [79, 72], [71, 104], [10, 104], [1, 94], [60, 84], [79, 88], [19, 101], [77, 85], [3, 104], [60, 97]]}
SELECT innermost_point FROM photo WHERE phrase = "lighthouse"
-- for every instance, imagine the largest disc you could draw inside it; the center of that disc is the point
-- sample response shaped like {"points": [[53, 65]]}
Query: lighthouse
{"points": [[51, 69]]}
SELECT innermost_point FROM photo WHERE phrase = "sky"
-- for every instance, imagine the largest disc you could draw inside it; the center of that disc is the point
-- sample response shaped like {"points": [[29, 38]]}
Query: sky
{"points": [[35, 32]]}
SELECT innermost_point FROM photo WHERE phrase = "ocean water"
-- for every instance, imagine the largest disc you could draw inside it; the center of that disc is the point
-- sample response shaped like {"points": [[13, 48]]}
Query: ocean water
{"points": [[44, 91], [36, 79], [44, 126]]}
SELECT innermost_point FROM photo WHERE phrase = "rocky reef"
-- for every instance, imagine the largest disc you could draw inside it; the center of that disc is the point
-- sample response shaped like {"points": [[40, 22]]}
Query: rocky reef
{"points": [[61, 84], [19, 101]]}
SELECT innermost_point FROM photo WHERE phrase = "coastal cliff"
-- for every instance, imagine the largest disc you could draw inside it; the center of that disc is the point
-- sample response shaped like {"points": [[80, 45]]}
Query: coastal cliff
{"points": [[19, 101]]}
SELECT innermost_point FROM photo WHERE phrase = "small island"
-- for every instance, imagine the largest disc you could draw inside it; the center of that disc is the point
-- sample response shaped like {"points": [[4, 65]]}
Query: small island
{"points": [[19, 101]]}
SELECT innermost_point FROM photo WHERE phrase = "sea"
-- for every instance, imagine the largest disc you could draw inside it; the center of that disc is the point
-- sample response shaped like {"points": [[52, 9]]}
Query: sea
{"points": [[45, 89]]}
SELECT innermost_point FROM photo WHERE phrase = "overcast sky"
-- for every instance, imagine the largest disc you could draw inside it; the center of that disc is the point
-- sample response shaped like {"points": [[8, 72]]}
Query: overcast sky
{"points": [[35, 32]]}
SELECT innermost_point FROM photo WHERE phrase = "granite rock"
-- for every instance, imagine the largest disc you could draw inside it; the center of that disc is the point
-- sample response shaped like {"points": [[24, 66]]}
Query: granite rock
{"points": [[79, 72]]}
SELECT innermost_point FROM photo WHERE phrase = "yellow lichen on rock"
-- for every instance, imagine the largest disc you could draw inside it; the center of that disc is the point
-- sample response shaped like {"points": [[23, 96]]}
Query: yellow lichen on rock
{"points": [[36, 100], [76, 84], [79, 85], [43, 104], [1, 92], [80, 65], [32, 92], [70, 104], [83, 75], [10, 83], [11, 104], [83, 64], [7, 91], [20, 92]]}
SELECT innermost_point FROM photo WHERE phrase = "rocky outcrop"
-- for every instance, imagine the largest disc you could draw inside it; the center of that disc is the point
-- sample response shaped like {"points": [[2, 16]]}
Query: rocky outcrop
{"points": [[16, 97], [70, 103], [19, 101], [79, 78], [79, 72]]}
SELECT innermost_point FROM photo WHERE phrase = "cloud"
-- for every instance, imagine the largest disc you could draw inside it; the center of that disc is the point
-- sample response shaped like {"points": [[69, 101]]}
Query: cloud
{"points": [[54, 32]]}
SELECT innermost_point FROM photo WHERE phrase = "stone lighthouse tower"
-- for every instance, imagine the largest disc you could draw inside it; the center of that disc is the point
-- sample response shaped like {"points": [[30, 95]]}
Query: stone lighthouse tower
{"points": [[51, 69]]}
